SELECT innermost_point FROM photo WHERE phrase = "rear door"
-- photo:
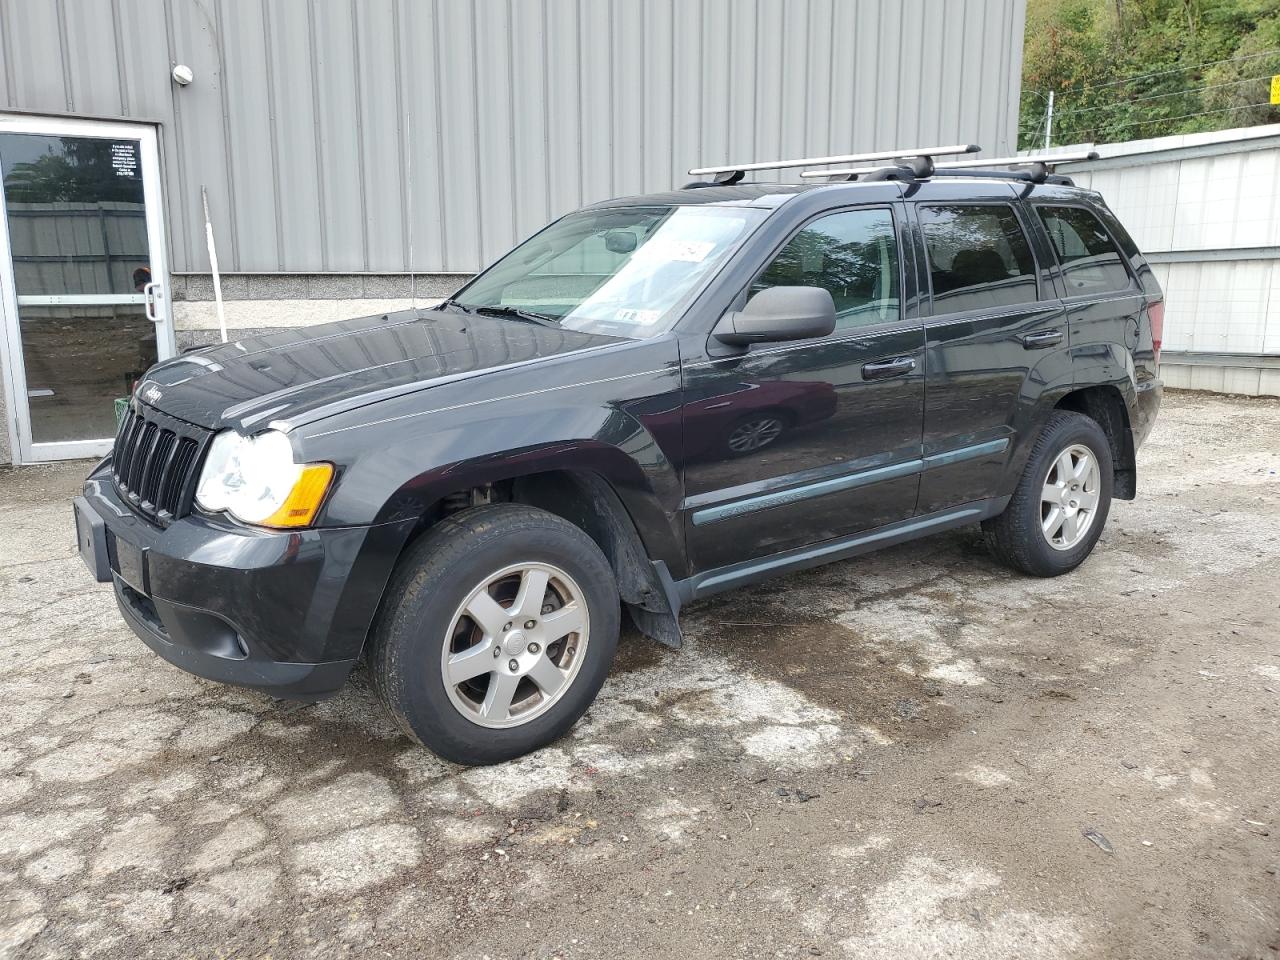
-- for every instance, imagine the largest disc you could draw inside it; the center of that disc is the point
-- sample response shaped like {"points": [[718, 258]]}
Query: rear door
{"points": [[1103, 298], [788, 444], [996, 336]]}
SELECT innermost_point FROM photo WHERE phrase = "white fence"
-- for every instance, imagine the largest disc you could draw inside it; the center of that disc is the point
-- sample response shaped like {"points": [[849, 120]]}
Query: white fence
{"points": [[1205, 209]]}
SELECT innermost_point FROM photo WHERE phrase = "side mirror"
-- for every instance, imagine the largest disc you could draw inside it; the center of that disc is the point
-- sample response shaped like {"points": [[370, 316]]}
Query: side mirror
{"points": [[620, 241], [779, 313]]}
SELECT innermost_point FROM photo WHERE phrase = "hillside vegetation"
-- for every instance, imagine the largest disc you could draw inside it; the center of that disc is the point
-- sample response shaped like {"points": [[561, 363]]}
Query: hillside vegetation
{"points": [[1132, 69]]}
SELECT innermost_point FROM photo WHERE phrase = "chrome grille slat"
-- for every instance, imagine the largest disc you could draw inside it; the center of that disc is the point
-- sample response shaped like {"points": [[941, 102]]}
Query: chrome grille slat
{"points": [[155, 463], [124, 449], [141, 451], [175, 482]]}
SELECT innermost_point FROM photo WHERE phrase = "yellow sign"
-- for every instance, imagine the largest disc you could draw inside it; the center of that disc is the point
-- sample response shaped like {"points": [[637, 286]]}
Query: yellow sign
{"points": [[1275, 90]]}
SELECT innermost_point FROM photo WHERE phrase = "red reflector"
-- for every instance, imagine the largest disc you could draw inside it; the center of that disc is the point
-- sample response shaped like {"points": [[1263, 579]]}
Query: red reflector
{"points": [[1156, 312]]}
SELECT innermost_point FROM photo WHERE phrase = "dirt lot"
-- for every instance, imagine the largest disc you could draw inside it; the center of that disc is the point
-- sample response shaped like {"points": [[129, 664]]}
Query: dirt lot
{"points": [[890, 758]]}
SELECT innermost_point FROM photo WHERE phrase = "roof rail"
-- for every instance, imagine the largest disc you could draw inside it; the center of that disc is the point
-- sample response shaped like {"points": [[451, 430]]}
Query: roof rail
{"points": [[733, 172], [1042, 165]]}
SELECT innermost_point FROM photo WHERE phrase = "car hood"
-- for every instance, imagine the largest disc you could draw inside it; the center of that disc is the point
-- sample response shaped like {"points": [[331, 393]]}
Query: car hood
{"points": [[307, 374]]}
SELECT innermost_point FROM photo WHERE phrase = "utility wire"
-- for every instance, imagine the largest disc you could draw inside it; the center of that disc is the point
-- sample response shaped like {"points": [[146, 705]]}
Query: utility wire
{"points": [[1188, 116], [1161, 96], [1164, 73], [1036, 134]]}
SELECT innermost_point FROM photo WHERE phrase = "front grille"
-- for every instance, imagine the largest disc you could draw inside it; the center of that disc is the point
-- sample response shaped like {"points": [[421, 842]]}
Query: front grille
{"points": [[154, 463]]}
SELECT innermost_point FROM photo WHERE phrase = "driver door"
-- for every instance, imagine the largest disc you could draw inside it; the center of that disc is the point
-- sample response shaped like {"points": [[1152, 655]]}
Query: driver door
{"points": [[788, 444]]}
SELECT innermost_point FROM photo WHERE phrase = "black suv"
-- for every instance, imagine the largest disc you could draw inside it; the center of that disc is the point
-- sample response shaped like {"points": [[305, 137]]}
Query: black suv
{"points": [[651, 400]]}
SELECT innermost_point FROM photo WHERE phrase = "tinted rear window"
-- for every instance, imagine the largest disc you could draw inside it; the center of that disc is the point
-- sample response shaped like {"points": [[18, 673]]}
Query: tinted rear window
{"points": [[979, 257], [1090, 261]]}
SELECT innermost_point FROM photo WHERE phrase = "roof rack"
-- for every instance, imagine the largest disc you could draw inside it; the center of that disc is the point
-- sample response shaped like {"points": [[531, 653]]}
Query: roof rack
{"points": [[1041, 167], [922, 156]]}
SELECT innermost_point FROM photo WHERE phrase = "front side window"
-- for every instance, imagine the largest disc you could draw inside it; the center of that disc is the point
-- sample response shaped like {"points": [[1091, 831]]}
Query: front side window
{"points": [[979, 257], [1090, 261], [624, 271], [853, 255]]}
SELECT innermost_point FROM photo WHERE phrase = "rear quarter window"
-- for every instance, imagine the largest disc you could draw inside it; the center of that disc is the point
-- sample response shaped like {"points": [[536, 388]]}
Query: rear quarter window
{"points": [[979, 257], [1091, 263]]}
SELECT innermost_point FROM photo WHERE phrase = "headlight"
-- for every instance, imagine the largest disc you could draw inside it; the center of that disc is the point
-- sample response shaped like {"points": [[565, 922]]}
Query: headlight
{"points": [[255, 479]]}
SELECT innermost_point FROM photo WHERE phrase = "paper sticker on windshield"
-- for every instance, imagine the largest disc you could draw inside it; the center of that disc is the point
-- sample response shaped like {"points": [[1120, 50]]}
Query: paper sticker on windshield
{"points": [[641, 317], [690, 251]]}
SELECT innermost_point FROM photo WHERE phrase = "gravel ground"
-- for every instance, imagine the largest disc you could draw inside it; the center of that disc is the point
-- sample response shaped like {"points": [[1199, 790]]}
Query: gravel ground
{"points": [[912, 754]]}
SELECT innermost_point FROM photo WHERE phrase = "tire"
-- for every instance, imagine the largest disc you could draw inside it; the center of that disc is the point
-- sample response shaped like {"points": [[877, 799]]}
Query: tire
{"points": [[1018, 538], [423, 628]]}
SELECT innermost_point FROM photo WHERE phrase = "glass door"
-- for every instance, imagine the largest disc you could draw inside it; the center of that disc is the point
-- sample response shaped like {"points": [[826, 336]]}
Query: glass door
{"points": [[82, 278]]}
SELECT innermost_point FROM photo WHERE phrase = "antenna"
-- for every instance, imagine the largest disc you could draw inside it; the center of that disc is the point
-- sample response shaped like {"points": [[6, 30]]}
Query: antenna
{"points": [[408, 165], [213, 265]]}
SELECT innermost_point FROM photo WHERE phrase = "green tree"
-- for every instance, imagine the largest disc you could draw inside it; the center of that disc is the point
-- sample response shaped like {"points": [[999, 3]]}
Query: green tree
{"points": [[1132, 69]]}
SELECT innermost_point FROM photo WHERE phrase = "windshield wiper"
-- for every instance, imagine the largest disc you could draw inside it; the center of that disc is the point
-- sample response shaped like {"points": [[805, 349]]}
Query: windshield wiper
{"points": [[516, 313]]}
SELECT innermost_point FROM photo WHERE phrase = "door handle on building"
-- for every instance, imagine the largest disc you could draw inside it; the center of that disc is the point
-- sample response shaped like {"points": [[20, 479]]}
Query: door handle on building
{"points": [[1045, 338], [152, 294], [883, 369]]}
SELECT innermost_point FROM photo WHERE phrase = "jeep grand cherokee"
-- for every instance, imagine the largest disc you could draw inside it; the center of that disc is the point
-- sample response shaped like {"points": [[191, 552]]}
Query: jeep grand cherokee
{"points": [[651, 400]]}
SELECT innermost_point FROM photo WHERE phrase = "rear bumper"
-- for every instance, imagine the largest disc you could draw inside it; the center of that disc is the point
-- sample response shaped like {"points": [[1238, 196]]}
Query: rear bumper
{"points": [[283, 612]]}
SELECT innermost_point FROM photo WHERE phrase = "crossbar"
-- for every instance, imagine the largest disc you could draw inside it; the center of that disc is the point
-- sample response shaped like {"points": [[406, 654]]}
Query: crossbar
{"points": [[1048, 159], [901, 154]]}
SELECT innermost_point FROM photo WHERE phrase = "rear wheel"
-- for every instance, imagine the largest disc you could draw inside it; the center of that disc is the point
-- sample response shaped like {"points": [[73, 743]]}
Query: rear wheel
{"points": [[497, 633], [1062, 500]]}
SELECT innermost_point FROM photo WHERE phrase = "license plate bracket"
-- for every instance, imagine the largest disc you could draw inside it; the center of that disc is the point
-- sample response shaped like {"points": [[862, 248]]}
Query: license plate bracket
{"points": [[91, 540], [131, 565]]}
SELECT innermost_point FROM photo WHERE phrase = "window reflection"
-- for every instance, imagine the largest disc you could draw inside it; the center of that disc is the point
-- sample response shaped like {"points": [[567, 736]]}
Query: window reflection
{"points": [[78, 360], [1090, 261], [852, 255], [621, 272], [979, 257], [77, 220]]}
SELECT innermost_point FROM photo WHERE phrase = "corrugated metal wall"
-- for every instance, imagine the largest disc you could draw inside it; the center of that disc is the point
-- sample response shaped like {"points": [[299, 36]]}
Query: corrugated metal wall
{"points": [[341, 135], [75, 247], [1205, 209]]}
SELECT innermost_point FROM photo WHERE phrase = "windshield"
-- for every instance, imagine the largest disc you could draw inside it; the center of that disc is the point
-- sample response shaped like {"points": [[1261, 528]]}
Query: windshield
{"points": [[623, 272]]}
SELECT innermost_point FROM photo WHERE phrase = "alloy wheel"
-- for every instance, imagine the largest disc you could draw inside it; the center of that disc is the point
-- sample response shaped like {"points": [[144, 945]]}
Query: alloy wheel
{"points": [[1069, 497], [515, 645]]}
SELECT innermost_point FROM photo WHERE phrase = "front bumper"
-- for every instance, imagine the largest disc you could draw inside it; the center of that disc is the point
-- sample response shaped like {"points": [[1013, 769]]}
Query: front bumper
{"points": [[283, 612]]}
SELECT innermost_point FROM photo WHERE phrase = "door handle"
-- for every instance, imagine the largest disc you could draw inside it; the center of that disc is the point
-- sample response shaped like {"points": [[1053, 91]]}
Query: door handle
{"points": [[152, 294], [884, 369], [1045, 338]]}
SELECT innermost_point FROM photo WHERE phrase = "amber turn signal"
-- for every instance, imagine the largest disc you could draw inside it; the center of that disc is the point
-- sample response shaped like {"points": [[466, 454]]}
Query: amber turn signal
{"points": [[303, 502]]}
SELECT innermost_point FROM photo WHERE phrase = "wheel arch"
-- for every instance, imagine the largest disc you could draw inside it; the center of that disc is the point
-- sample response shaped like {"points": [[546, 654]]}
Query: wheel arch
{"points": [[589, 501], [1106, 406]]}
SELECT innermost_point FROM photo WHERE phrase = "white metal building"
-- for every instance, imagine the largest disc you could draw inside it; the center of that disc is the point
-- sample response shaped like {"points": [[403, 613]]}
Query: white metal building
{"points": [[1205, 210], [345, 145]]}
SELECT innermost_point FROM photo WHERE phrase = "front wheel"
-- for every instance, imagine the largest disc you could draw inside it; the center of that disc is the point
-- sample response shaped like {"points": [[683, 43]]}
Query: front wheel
{"points": [[497, 632], [1062, 500]]}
